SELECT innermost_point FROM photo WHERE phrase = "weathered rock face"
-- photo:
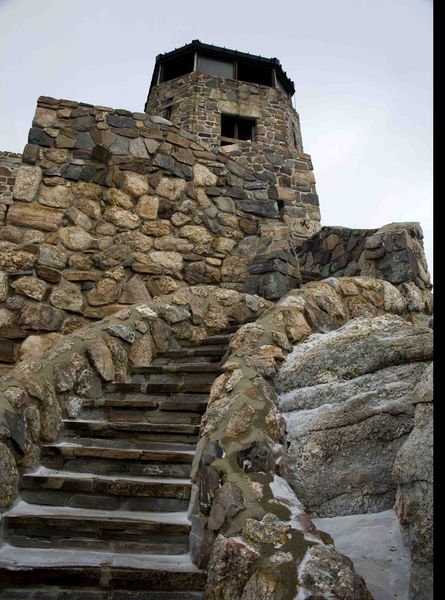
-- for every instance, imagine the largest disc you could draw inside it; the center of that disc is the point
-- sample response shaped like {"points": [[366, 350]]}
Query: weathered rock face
{"points": [[346, 396], [413, 473], [324, 573]]}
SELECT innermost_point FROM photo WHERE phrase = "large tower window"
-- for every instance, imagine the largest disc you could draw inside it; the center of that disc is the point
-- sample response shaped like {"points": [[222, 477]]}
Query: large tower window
{"points": [[238, 128], [181, 65], [215, 66]]}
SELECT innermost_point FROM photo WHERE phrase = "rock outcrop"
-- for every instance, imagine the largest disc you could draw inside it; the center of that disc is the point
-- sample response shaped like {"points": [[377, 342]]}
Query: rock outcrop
{"points": [[346, 396], [413, 473]]}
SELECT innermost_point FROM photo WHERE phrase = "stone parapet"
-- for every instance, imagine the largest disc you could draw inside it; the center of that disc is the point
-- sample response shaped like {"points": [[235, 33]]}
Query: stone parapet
{"points": [[394, 253]]}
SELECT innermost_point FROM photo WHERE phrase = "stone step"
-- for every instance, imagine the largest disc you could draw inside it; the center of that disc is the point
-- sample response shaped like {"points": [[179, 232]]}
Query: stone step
{"points": [[164, 383], [182, 402], [105, 492], [102, 428], [33, 526], [58, 593], [188, 367], [209, 350], [99, 570], [221, 339], [124, 415], [104, 456]]}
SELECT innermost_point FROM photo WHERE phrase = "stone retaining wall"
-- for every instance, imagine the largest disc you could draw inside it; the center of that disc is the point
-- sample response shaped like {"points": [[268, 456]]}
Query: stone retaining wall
{"points": [[111, 208]]}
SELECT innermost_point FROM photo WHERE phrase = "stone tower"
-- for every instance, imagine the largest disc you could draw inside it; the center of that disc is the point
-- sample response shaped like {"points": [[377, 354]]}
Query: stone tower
{"points": [[241, 104]]}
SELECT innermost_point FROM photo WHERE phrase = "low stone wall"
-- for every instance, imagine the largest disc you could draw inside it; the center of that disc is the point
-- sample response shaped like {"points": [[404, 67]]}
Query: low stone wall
{"points": [[9, 163], [248, 527], [113, 208], [394, 253]]}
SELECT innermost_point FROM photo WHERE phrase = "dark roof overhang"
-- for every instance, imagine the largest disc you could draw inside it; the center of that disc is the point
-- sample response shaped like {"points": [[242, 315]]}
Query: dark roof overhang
{"points": [[211, 50]]}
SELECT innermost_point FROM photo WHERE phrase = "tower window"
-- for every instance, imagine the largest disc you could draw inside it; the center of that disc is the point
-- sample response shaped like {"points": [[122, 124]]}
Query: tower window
{"points": [[237, 128], [173, 68], [167, 112]]}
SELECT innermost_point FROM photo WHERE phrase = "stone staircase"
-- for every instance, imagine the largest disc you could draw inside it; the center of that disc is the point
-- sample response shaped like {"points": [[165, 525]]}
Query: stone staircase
{"points": [[105, 515]]}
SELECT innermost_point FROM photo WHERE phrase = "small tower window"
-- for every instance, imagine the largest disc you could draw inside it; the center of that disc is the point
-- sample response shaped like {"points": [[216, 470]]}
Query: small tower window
{"points": [[167, 112], [237, 128]]}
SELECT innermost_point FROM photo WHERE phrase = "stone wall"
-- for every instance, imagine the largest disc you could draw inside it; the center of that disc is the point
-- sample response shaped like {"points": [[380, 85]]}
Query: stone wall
{"points": [[394, 253], [111, 208], [9, 163]]}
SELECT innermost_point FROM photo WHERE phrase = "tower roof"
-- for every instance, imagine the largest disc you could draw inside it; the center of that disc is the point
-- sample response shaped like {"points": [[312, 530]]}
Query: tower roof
{"points": [[218, 51]]}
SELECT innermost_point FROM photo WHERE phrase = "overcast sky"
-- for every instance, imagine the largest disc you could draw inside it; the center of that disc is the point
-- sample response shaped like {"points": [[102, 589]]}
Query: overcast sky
{"points": [[362, 71]]}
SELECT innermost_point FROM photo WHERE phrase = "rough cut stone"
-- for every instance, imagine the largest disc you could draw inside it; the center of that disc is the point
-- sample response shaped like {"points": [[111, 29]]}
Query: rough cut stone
{"points": [[134, 183], [75, 238], [228, 569], [171, 188], [57, 196], [41, 317], [100, 357], [141, 352], [31, 287], [15, 260], [9, 478], [134, 291], [34, 216], [202, 176], [104, 292], [27, 183], [67, 296], [123, 219], [53, 257], [147, 207]]}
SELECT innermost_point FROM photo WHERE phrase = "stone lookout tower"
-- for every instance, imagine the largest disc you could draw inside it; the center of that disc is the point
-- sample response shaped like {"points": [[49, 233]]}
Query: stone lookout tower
{"points": [[241, 104]]}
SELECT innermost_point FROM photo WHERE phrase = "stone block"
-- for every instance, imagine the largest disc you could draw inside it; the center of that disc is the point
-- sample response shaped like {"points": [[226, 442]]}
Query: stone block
{"points": [[27, 183]]}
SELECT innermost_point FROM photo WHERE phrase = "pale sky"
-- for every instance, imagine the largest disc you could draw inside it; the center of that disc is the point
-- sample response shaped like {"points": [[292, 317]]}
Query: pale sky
{"points": [[362, 71]]}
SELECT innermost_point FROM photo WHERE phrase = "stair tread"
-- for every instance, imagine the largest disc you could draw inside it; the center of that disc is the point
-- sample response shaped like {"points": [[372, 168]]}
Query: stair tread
{"points": [[28, 558], [104, 449], [122, 444], [131, 426], [24, 509], [57, 474], [180, 368]]}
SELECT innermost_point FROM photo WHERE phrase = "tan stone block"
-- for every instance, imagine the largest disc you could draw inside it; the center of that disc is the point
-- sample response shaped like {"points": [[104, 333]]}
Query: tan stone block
{"points": [[58, 196], [34, 216], [75, 238], [202, 176], [44, 117], [67, 296], [122, 218], [134, 183], [27, 183], [171, 187], [147, 207]]}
